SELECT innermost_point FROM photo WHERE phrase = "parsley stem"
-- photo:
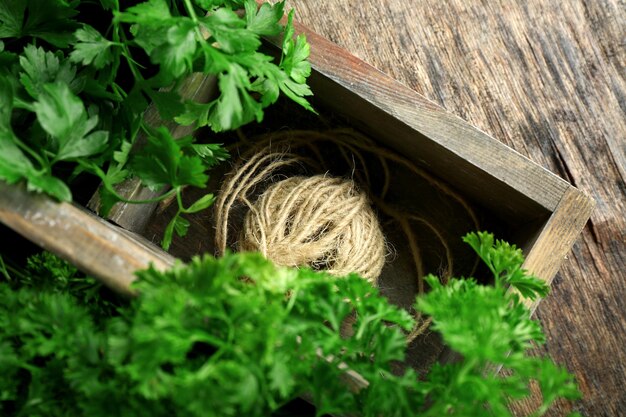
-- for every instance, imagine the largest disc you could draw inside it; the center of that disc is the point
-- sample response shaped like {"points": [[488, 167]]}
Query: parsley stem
{"points": [[129, 58], [10, 271], [42, 162], [119, 91], [179, 200], [191, 11], [3, 269], [148, 201], [194, 18]]}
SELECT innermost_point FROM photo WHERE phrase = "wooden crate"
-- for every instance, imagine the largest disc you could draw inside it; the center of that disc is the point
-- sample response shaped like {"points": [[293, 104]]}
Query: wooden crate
{"points": [[540, 212]]}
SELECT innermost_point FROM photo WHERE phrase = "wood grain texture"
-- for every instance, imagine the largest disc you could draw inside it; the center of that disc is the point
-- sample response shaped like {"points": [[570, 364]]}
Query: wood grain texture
{"points": [[97, 247], [547, 78], [557, 236]]}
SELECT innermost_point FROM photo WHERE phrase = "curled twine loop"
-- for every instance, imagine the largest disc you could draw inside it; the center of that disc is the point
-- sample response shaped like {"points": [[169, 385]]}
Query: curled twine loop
{"points": [[285, 202]]}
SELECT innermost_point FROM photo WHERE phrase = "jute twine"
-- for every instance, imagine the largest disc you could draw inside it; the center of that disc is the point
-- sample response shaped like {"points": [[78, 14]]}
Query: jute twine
{"points": [[318, 220], [322, 222]]}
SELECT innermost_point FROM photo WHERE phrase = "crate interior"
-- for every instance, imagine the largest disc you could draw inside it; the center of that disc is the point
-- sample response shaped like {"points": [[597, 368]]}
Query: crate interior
{"points": [[398, 280]]}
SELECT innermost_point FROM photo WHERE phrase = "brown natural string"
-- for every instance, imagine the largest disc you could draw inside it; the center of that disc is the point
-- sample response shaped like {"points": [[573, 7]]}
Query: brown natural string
{"points": [[274, 226], [322, 222]]}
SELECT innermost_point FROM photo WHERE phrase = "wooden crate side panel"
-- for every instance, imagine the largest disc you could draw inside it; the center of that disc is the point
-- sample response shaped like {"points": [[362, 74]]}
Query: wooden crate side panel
{"points": [[95, 246], [557, 237]]}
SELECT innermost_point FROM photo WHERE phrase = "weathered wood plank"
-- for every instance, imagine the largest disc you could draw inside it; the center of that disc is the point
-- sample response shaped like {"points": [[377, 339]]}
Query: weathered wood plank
{"points": [[549, 79], [92, 244], [557, 237]]}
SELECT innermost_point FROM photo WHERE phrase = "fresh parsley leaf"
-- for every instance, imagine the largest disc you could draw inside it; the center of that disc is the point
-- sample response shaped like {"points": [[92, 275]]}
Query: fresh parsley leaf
{"points": [[116, 172], [229, 31], [178, 225], [6, 106], [11, 17], [14, 164], [289, 77], [40, 67], [181, 225], [49, 20], [110, 4], [211, 153], [150, 13], [235, 106], [91, 48], [505, 262], [176, 56], [295, 65], [202, 203], [157, 31], [8, 61], [213, 4], [528, 286], [162, 162], [168, 103], [46, 183], [264, 20], [64, 117], [295, 54]]}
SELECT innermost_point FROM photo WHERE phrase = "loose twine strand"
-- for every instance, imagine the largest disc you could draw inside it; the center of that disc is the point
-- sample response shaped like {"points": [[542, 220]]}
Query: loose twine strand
{"points": [[313, 205]]}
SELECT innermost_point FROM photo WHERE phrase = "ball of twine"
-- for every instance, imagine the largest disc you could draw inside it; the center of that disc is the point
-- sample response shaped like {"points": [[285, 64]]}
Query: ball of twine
{"points": [[322, 222]]}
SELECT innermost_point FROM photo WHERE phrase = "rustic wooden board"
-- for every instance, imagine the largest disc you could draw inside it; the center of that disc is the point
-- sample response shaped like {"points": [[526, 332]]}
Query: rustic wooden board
{"points": [[549, 79], [557, 236], [97, 247]]}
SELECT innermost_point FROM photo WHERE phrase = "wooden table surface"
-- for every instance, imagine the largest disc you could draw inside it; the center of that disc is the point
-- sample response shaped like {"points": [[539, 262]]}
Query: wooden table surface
{"points": [[548, 78]]}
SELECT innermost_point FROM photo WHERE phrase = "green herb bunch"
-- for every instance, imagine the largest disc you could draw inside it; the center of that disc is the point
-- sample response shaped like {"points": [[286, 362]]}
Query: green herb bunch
{"points": [[238, 336], [76, 77]]}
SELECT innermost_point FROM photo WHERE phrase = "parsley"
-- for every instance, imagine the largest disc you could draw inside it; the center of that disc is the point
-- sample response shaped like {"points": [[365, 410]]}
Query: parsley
{"points": [[51, 21], [238, 336], [91, 48], [490, 328], [73, 93]]}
